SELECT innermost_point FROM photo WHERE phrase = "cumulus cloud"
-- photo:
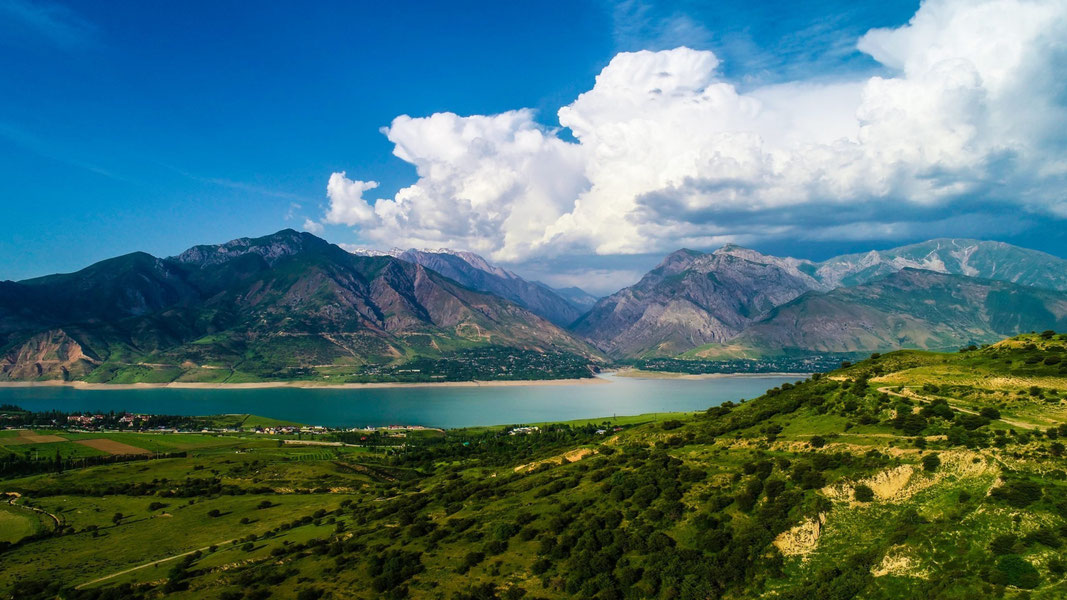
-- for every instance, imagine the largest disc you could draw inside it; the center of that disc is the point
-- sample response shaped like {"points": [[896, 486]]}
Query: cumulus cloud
{"points": [[347, 206], [313, 226], [969, 118]]}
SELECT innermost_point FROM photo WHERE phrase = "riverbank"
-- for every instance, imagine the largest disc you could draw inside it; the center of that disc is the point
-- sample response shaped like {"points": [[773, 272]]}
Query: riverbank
{"points": [[315, 385]]}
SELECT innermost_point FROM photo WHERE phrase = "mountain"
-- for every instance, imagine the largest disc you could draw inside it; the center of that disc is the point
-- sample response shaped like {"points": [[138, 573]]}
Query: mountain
{"points": [[973, 258], [693, 299], [475, 272], [690, 299], [258, 307], [579, 298], [910, 308]]}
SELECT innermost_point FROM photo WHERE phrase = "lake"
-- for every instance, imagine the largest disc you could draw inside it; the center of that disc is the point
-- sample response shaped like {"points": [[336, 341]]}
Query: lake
{"points": [[445, 407]]}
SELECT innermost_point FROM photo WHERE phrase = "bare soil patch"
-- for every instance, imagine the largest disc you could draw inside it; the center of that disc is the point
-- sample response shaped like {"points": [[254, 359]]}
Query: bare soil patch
{"points": [[113, 447], [27, 436]]}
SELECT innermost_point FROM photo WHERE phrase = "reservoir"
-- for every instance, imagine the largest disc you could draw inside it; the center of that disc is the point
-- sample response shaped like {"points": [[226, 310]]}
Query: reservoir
{"points": [[445, 406]]}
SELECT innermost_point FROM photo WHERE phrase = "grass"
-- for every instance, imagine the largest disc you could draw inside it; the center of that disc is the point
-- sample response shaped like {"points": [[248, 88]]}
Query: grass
{"points": [[17, 523], [926, 533]]}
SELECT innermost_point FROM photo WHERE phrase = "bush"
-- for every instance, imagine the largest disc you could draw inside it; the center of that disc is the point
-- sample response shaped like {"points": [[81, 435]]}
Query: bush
{"points": [[1018, 493], [1003, 544], [817, 441], [863, 493], [1045, 537], [1013, 569], [931, 462]]}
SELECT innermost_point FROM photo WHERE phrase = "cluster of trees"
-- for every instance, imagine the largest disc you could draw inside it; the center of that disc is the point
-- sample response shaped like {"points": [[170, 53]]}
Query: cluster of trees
{"points": [[807, 364], [13, 416], [19, 465], [485, 363]]}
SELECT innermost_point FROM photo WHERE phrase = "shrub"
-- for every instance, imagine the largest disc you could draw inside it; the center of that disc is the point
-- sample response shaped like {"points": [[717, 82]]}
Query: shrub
{"points": [[1045, 537], [817, 441], [863, 493], [1018, 493], [1003, 544], [1013, 569], [931, 462]]}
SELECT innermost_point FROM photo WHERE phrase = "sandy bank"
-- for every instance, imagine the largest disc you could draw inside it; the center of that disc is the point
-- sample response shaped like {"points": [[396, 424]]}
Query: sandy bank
{"points": [[82, 385], [639, 374]]}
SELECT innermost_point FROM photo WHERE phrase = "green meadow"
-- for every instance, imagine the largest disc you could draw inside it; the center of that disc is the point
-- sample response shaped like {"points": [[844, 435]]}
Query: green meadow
{"points": [[905, 475]]}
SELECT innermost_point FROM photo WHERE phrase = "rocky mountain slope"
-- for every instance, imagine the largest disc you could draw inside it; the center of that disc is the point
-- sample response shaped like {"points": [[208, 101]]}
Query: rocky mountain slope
{"points": [[973, 258], [693, 299], [690, 299], [475, 272], [261, 307], [908, 309]]}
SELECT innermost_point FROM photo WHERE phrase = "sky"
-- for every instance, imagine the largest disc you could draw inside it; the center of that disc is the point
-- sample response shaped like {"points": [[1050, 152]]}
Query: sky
{"points": [[574, 142]]}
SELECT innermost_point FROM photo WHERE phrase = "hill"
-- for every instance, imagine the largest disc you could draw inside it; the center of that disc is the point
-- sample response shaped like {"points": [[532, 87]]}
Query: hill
{"points": [[289, 305], [908, 475]]}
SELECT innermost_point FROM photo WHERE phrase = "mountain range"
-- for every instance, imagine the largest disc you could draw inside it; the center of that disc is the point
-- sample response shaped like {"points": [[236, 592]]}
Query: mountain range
{"points": [[293, 305], [729, 302], [560, 306], [254, 309]]}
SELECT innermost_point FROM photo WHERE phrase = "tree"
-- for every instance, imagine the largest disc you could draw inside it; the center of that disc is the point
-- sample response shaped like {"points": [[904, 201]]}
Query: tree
{"points": [[863, 493], [931, 462], [1013, 569]]}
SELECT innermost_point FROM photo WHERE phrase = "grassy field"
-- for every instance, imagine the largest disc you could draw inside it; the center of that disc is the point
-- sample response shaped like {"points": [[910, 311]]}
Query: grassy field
{"points": [[908, 475]]}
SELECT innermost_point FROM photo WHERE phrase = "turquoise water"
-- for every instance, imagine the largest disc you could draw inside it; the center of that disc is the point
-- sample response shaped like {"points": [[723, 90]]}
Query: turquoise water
{"points": [[431, 407]]}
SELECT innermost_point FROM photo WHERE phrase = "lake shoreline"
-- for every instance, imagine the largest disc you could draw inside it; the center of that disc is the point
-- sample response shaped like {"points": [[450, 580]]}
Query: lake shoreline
{"points": [[316, 385], [641, 374], [313, 385]]}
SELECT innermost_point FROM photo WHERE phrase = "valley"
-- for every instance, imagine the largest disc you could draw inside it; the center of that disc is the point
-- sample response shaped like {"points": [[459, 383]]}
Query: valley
{"points": [[907, 474]]}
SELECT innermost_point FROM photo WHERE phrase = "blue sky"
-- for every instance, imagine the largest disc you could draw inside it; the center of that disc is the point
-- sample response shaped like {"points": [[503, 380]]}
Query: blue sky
{"points": [[155, 126]]}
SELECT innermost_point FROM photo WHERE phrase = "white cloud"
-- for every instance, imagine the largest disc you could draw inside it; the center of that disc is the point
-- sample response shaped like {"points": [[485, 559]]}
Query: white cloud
{"points": [[669, 154], [312, 226], [347, 206]]}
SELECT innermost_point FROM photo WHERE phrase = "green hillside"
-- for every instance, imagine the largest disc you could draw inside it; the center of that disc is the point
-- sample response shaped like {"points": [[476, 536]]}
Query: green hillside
{"points": [[907, 475]]}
